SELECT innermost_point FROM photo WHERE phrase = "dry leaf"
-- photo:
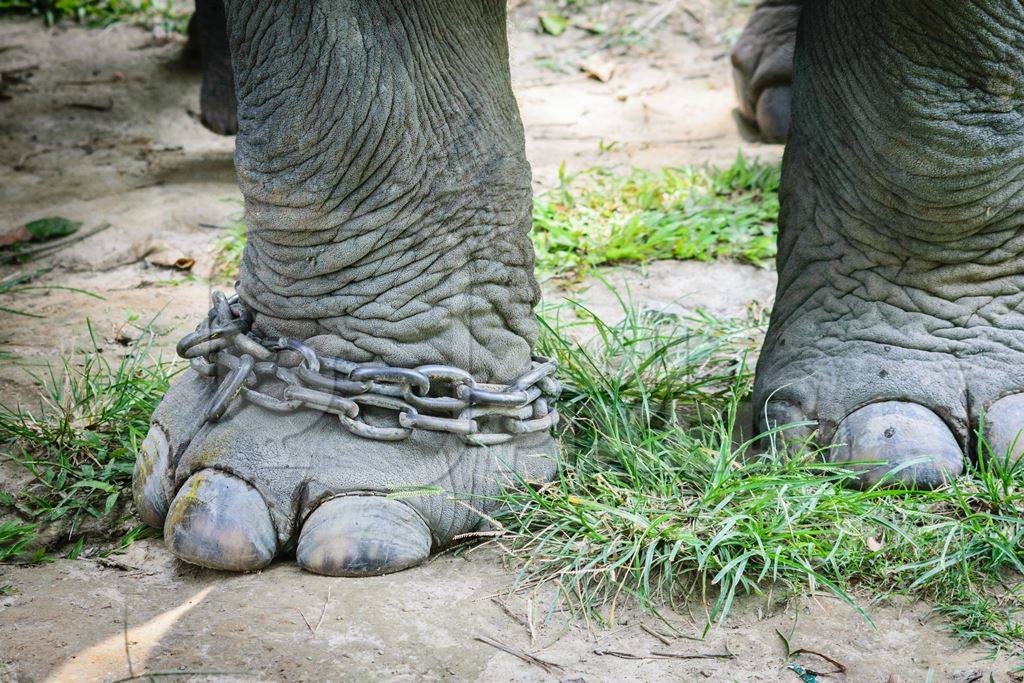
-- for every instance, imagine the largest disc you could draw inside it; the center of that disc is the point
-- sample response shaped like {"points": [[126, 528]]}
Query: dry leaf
{"points": [[874, 545], [169, 257], [14, 236], [598, 69]]}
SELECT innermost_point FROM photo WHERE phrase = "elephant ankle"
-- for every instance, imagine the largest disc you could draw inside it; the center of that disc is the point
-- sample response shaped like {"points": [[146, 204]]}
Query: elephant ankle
{"points": [[388, 212]]}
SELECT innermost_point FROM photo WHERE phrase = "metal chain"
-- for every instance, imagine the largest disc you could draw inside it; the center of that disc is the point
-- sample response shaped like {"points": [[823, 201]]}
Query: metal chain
{"points": [[284, 375]]}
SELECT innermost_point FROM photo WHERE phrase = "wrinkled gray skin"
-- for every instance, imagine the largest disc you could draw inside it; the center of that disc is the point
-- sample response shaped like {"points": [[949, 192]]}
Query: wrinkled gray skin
{"points": [[381, 157], [898, 328]]}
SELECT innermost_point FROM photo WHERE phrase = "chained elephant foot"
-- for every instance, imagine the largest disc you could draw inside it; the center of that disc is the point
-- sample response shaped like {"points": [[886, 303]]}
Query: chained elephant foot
{"points": [[383, 165], [235, 493]]}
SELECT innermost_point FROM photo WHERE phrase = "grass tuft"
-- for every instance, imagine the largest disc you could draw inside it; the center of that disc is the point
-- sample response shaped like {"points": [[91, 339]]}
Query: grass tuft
{"points": [[100, 13], [659, 500], [598, 217], [79, 446]]}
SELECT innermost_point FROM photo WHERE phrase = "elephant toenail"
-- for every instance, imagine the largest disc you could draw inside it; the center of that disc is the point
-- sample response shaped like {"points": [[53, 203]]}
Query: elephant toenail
{"points": [[898, 442], [362, 536], [1004, 428], [151, 483], [219, 521]]}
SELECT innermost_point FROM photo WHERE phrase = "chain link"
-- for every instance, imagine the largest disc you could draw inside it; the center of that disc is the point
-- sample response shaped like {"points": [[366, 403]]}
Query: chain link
{"points": [[284, 375]]}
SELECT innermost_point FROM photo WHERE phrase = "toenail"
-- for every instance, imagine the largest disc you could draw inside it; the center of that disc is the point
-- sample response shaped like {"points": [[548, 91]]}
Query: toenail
{"points": [[219, 521], [906, 442], [362, 536]]}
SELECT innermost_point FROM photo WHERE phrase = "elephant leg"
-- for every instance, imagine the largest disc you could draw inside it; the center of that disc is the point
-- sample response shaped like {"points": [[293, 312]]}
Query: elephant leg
{"points": [[898, 330], [381, 157], [208, 28], [762, 69]]}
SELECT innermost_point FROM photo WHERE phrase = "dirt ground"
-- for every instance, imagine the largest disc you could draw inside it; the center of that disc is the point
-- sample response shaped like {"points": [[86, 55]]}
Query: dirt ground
{"points": [[99, 126]]}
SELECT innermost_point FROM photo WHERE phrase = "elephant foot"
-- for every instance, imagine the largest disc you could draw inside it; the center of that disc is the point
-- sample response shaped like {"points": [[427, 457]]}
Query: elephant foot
{"points": [[218, 112], [256, 484], [373, 386], [897, 331], [762, 62], [892, 367]]}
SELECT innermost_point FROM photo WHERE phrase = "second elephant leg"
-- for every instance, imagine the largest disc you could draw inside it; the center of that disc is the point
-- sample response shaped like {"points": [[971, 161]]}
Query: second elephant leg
{"points": [[898, 326]]}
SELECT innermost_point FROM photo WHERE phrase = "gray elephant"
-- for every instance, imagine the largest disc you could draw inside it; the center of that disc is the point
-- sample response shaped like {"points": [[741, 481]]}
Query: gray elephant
{"points": [[381, 157]]}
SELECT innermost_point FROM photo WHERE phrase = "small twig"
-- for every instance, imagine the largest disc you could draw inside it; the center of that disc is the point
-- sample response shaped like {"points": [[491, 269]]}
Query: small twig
{"points": [[323, 611], [56, 245], [548, 667], [177, 673], [308, 625], [617, 653], [511, 615], [666, 655], [127, 648], [659, 636], [699, 655], [529, 621], [840, 668]]}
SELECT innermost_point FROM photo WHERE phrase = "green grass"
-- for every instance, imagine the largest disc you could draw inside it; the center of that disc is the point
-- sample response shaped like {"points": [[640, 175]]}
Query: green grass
{"points": [[658, 502], [79, 446], [601, 217], [228, 249], [165, 14]]}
